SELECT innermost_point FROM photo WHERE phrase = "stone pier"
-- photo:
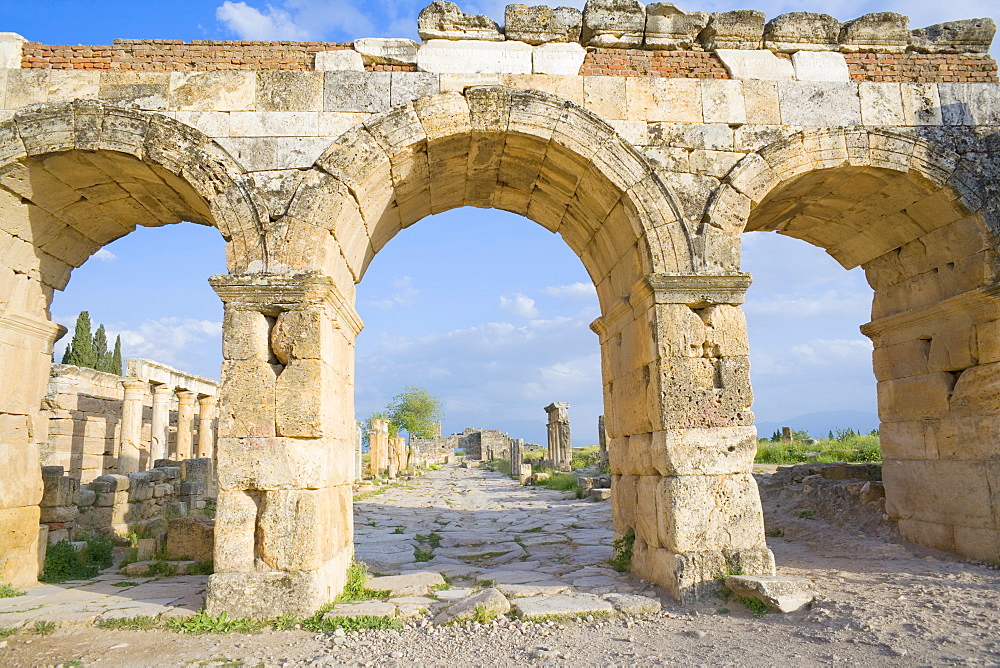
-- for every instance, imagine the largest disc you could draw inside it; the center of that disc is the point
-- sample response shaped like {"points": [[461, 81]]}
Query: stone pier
{"points": [[560, 451]]}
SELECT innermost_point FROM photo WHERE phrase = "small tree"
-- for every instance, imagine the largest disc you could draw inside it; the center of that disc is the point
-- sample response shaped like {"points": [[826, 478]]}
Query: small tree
{"points": [[116, 357], [80, 351], [102, 358], [415, 410]]}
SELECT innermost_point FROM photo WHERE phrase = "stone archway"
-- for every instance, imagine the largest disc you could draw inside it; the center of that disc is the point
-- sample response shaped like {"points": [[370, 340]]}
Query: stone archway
{"points": [[74, 177], [918, 220], [672, 337]]}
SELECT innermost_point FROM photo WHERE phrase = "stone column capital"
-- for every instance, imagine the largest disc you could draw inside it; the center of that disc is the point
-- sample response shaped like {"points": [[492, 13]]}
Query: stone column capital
{"points": [[162, 392], [274, 294], [207, 400], [135, 388], [186, 397]]}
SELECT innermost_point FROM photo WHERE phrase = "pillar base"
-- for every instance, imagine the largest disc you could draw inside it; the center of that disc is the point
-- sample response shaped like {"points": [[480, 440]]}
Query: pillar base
{"points": [[19, 530], [267, 594], [690, 576]]}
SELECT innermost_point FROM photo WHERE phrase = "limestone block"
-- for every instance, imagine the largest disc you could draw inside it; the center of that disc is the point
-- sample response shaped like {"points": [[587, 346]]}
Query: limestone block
{"points": [[881, 103], [541, 24], [19, 538], [356, 91], [300, 529], [756, 65], [111, 483], [784, 594], [474, 57], [820, 105], [190, 538], [693, 575], [878, 32], [802, 31], [606, 97], [921, 104], [273, 124], [977, 543], [363, 609], [671, 29], [408, 584], [66, 514], [141, 90], [488, 599], [556, 58], [737, 29], [345, 59], [713, 512], [633, 604], [213, 91], [387, 51], [263, 594], [915, 397], [289, 91], [613, 24], [968, 36], [961, 492], [273, 463], [19, 461], [87, 497], [820, 66], [723, 101], [662, 99], [261, 154], [408, 86], [10, 50], [562, 605], [977, 389], [444, 20]]}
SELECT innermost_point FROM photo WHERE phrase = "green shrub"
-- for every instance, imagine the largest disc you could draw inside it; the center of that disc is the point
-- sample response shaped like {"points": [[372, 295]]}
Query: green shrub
{"points": [[586, 456], [64, 562], [9, 591], [848, 447], [205, 623], [141, 623], [622, 547], [562, 482], [499, 464], [355, 589]]}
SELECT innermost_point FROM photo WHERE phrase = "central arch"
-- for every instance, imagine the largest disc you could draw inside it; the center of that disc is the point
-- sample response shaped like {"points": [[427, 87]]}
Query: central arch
{"points": [[676, 381]]}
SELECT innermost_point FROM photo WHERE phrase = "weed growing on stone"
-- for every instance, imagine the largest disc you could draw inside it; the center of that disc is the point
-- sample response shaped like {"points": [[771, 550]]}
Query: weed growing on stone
{"points": [[561, 482], [534, 530], [622, 547], [140, 623], [422, 555], [7, 632], [723, 611], [398, 530], [205, 623], [807, 515], [9, 591], [435, 467], [487, 584], [125, 583], [163, 569], [355, 589], [757, 607], [43, 628], [201, 568], [64, 562], [774, 533], [483, 616]]}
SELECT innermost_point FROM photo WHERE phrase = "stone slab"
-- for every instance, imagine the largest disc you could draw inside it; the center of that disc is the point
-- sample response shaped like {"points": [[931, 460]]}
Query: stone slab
{"points": [[785, 594], [558, 58], [465, 56], [820, 66], [406, 585], [757, 64], [366, 609], [562, 605], [633, 604]]}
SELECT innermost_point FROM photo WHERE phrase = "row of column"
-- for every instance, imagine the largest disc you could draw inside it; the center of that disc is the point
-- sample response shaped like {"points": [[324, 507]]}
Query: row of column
{"points": [[132, 456]]}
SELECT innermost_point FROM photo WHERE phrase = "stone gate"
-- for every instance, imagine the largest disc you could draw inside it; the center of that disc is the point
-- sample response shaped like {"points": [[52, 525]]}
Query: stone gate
{"points": [[649, 139]]}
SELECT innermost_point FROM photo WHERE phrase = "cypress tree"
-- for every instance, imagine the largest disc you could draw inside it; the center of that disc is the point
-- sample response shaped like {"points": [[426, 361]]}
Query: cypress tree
{"points": [[116, 357], [80, 351], [102, 360]]}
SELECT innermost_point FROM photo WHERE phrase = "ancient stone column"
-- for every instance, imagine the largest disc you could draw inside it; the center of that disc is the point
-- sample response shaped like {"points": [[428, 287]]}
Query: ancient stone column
{"points": [[677, 400], [284, 526], [516, 456], [206, 426], [560, 442], [184, 444], [26, 339], [131, 454], [160, 427], [378, 447], [602, 441], [358, 461]]}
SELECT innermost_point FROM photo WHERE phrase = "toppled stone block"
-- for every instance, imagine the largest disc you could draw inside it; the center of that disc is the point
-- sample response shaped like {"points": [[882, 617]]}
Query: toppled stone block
{"points": [[878, 32], [633, 604], [968, 36], [541, 24], [671, 29], [613, 24], [410, 584], [190, 538], [802, 31], [387, 51], [332, 61], [444, 20], [562, 605], [784, 594], [558, 58], [600, 494], [490, 600], [738, 29]]}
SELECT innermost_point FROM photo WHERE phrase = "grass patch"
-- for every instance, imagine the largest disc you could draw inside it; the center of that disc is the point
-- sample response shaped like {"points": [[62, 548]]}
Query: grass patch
{"points": [[723, 611], [355, 589], [435, 467], [201, 568], [398, 530], [125, 583], [500, 465], [140, 623], [205, 623], [9, 591], [622, 547], [774, 533], [845, 446], [422, 555], [757, 607], [807, 515], [43, 628], [562, 482], [7, 632], [63, 562], [535, 530], [541, 619], [433, 539], [589, 455]]}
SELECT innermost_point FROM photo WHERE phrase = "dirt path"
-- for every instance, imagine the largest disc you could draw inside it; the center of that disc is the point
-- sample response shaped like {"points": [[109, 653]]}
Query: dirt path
{"points": [[879, 602]]}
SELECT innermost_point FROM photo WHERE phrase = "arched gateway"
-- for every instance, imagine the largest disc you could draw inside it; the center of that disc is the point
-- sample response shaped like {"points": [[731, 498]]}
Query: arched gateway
{"points": [[650, 178]]}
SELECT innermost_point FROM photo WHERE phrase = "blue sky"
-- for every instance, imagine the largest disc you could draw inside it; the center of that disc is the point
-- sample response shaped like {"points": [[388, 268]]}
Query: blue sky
{"points": [[483, 308]]}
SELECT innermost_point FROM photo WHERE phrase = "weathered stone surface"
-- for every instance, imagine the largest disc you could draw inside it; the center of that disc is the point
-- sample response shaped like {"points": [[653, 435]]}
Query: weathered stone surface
{"points": [[541, 24], [633, 604], [737, 29], [489, 600], [798, 31], [756, 65], [190, 538], [671, 29], [613, 23], [410, 584], [475, 57], [557, 58], [387, 51], [331, 61], [820, 66], [444, 20], [968, 36], [10, 50], [562, 605], [783, 594], [363, 609], [878, 32]]}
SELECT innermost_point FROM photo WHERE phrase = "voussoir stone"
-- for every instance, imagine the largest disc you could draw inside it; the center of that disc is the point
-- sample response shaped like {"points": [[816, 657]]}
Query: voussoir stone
{"points": [[784, 594], [406, 585], [671, 29], [562, 605], [490, 600], [798, 31], [445, 20], [541, 24], [878, 32], [613, 24], [738, 29], [968, 36]]}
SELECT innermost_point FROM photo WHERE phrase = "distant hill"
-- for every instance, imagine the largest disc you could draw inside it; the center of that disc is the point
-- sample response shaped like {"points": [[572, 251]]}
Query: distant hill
{"points": [[820, 424]]}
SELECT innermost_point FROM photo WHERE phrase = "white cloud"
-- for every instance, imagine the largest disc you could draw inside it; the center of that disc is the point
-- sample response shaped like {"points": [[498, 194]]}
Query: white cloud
{"points": [[168, 340], [404, 295], [520, 305], [251, 23], [805, 358], [104, 255], [830, 302], [574, 290]]}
